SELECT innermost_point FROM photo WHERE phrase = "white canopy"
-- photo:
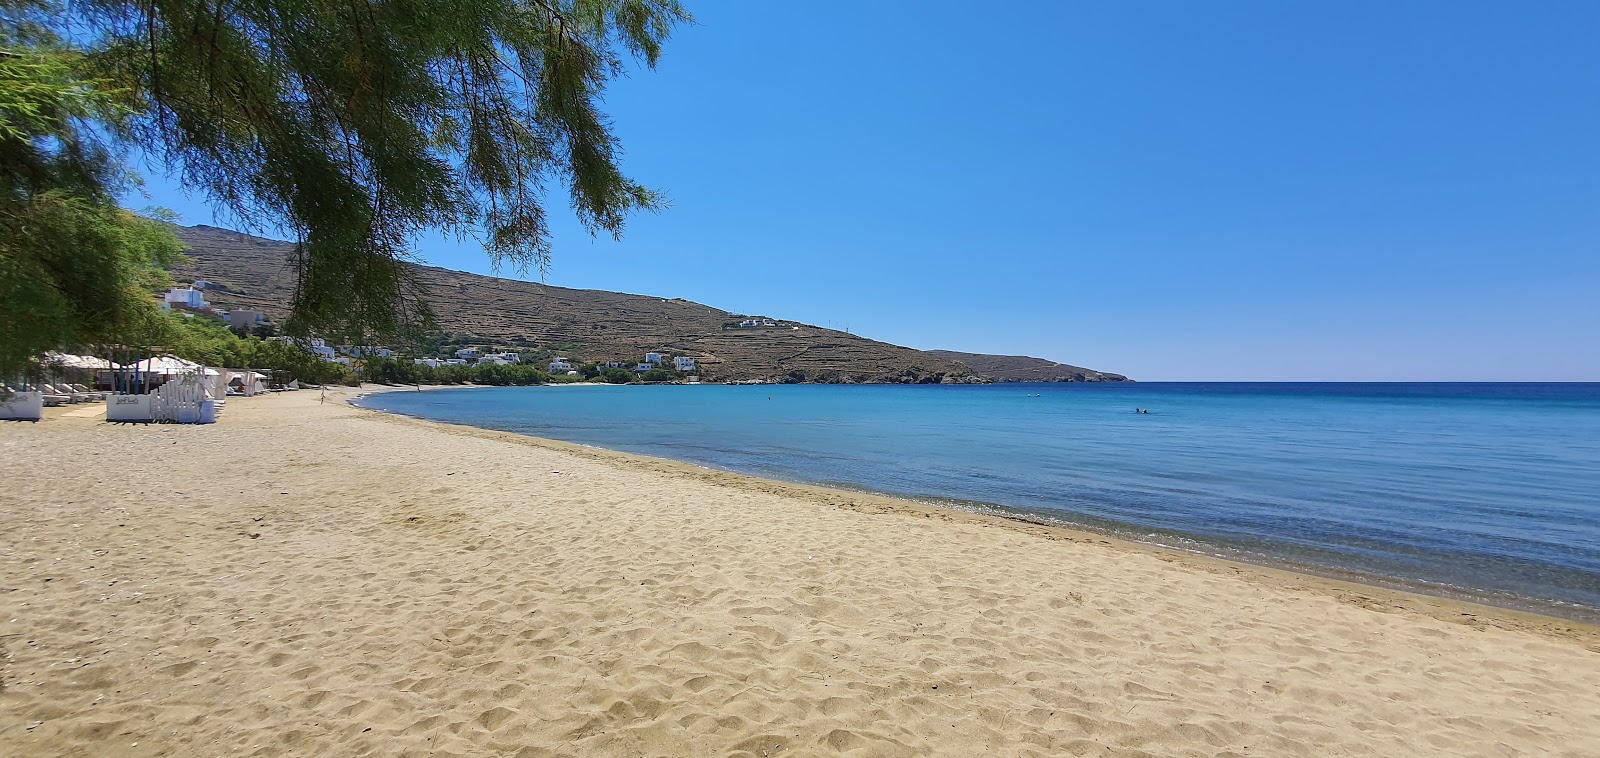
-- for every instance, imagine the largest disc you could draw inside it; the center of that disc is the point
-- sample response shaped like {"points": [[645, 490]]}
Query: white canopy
{"points": [[169, 365], [78, 361]]}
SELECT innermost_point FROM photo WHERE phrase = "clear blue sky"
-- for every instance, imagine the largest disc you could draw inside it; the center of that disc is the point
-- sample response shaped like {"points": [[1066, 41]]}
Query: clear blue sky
{"points": [[1171, 190]]}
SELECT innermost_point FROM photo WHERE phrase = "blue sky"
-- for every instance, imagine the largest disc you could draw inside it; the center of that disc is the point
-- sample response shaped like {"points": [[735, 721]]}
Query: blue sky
{"points": [[1171, 190]]}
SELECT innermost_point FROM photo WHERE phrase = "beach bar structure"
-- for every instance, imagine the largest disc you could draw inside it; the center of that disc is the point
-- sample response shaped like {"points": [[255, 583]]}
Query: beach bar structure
{"points": [[165, 388]]}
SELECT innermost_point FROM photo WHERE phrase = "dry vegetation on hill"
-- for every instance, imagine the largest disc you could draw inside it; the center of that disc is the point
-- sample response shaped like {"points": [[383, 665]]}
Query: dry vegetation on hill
{"points": [[1021, 368], [594, 325], [249, 272]]}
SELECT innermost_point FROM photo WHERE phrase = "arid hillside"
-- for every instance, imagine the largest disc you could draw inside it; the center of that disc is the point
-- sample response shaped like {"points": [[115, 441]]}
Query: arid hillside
{"points": [[248, 272], [1022, 368]]}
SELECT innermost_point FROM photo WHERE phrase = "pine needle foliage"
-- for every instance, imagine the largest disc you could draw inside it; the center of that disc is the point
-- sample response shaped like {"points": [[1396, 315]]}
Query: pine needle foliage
{"points": [[76, 270], [358, 125]]}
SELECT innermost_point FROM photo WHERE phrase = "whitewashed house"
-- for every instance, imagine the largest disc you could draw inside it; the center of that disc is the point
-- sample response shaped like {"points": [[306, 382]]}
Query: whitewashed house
{"points": [[683, 363], [469, 353], [430, 362], [188, 297], [560, 366], [652, 357], [644, 367]]}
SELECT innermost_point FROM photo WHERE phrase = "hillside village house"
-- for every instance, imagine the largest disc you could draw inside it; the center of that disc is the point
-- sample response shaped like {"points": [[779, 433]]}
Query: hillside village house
{"points": [[188, 297], [644, 367], [501, 359], [320, 348], [683, 363], [652, 357], [559, 366], [243, 318], [429, 362], [469, 353]]}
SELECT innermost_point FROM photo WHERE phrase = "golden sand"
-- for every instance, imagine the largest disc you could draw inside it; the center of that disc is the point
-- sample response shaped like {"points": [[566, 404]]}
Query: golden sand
{"points": [[309, 579]]}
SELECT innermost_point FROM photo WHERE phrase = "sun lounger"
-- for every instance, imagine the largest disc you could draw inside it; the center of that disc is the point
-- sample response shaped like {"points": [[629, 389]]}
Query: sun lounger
{"points": [[72, 395], [83, 391], [51, 389]]}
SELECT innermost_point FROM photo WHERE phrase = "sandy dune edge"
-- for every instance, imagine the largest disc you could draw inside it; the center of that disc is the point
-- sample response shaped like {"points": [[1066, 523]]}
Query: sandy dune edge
{"points": [[314, 579]]}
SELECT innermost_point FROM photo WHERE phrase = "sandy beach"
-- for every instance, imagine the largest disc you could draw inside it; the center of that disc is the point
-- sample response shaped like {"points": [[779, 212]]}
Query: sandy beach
{"points": [[310, 578]]}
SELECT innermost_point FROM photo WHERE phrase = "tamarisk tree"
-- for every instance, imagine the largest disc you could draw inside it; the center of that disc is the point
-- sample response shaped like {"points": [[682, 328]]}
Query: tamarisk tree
{"points": [[357, 125]]}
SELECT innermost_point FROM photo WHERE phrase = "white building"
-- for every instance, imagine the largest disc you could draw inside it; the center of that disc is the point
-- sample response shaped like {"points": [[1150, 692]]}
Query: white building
{"points": [[644, 367], [502, 359], [469, 353], [322, 351], [455, 362], [560, 366], [430, 362], [652, 357], [683, 363], [614, 364], [186, 296]]}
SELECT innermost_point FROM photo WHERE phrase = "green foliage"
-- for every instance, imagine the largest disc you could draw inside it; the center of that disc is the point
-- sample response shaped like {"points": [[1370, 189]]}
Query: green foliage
{"points": [[77, 272], [210, 342], [75, 269], [359, 126], [616, 376], [400, 371], [659, 375]]}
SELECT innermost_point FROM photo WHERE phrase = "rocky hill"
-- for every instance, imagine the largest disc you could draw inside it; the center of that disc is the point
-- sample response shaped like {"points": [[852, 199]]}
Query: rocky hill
{"points": [[242, 271], [1021, 368]]}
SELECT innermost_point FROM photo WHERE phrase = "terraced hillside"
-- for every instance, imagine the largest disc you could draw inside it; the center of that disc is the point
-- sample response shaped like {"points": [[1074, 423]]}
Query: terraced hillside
{"points": [[248, 272]]}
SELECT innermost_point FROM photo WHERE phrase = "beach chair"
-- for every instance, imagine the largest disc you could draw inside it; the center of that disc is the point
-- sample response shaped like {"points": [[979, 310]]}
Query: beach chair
{"points": [[82, 391], [67, 396], [76, 395]]}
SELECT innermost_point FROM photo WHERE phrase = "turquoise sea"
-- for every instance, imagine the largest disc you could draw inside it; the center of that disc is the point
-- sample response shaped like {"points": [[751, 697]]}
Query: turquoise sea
{"points": [[1487, 491]]}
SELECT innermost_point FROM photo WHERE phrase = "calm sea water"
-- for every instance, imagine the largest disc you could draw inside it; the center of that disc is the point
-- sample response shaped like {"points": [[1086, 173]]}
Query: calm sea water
{"points": [[1485, 490]]}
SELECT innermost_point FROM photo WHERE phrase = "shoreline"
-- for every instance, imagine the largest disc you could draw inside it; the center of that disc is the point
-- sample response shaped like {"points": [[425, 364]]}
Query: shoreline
{"points": [[316, 578], [1353, 586]]}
